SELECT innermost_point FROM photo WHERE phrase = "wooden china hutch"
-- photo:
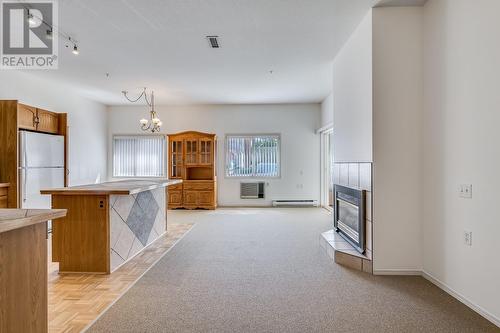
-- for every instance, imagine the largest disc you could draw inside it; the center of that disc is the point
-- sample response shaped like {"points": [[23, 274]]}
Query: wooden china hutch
{"points": [[192, 158]]}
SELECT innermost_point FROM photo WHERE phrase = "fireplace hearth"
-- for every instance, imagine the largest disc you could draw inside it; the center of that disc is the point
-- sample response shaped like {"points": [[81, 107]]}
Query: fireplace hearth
{"points": [[349, 221]]}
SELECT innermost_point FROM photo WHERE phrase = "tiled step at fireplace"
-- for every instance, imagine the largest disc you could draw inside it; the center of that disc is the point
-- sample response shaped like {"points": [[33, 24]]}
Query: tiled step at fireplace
{"points": [[344, 253]]}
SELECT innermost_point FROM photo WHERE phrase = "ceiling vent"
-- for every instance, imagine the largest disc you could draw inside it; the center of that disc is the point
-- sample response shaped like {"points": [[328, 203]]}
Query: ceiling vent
{"points": [[213, 41]]}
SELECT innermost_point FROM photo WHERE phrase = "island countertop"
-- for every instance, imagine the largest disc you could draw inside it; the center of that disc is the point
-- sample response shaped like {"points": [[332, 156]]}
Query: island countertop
{"points": [[11, 219], [121, 187]]}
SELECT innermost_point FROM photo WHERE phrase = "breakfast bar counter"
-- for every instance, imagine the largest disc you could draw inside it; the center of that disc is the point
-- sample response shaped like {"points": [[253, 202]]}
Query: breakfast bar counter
{"points": [[107, 224]]}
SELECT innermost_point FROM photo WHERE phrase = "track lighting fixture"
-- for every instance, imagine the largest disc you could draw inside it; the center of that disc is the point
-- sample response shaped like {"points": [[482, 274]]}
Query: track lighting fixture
{"points": [[34, 21]]}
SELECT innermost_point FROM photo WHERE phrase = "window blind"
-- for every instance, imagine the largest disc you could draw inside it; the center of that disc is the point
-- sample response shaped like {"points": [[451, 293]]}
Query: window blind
{"points": [[139, 156], [253, 156]]}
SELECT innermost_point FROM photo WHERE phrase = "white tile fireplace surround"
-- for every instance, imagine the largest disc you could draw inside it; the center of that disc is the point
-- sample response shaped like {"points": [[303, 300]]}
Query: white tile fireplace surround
{"points": [[358, 176]]}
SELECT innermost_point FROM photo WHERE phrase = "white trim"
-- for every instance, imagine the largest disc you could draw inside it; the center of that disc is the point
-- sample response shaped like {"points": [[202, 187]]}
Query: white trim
{"points": [[137, 280], [480, 310], [411, 272], [327, 127]]}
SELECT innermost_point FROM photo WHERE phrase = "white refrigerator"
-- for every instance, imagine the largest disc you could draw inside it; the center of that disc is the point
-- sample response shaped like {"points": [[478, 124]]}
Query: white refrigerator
{"points": [[41, 166]]}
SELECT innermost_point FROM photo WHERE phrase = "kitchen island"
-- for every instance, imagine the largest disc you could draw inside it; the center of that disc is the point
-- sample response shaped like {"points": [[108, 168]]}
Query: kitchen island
{"points": [[107, 224], [23, 268]]}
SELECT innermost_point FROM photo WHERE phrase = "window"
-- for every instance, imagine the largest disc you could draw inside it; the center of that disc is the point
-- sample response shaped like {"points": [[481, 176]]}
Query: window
{"points": [[253, 156], [139, 156]]}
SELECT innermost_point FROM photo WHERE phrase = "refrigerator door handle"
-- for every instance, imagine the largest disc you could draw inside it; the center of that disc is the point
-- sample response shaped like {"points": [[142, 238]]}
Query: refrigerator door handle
{"points": [[25, 155], [24, 184]]}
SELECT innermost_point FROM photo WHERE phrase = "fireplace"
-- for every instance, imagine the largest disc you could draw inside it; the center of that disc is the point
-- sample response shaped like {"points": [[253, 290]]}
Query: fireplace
{"points": [[349, 219]]}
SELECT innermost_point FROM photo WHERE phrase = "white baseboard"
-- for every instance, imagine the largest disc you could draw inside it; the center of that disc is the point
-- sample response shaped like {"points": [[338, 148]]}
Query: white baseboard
{"points": [[495, 320], [411, 272], [481, 311]]}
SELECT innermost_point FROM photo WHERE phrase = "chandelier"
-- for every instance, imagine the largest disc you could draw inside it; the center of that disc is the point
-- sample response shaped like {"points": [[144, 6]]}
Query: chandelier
{"points": [[154, 123]]}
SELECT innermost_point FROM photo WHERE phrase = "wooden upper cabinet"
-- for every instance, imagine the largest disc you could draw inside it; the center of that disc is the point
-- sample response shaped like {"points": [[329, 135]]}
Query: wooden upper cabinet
{"points": [[175, 153], [26, 117], [206, 151], [34, 119], [191, 156], [48, 121]]}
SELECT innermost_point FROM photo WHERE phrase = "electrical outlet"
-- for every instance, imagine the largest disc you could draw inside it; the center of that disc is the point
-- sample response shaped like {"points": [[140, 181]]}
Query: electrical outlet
{"points": [[468, 238], [465, 191]]}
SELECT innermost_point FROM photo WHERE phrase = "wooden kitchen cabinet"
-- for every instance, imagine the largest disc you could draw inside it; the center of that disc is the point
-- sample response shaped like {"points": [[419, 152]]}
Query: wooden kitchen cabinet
{"points": [[175, 196], [26, 117], [48, 122], [206, 198], [192, 158], [4, 192], [23, 267], [190, 198], [15, 116]]}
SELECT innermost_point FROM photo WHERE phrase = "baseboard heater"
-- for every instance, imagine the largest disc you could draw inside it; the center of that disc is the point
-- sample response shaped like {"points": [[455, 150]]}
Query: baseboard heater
{"points": [[295, 203]]}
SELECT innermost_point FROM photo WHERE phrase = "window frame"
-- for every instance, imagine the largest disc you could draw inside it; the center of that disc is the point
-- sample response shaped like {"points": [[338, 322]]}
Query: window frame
{"points": [[165, 167], [252, 135]]}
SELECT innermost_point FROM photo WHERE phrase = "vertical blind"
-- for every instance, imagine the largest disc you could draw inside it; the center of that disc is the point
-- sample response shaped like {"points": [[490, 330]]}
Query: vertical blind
{"points": [[139, 156], [253, 156]]}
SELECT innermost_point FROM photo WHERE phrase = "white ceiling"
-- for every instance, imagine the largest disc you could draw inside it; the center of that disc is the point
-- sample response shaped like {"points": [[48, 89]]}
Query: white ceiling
{"points": [[161, 44]]}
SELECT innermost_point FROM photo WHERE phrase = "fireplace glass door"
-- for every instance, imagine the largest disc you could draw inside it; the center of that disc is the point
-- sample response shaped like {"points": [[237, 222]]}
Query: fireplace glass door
{"points": [[348, 219]]}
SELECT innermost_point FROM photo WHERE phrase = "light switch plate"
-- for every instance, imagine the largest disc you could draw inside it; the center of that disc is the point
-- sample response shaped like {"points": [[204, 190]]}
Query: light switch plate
{"points": [[465, 191]]}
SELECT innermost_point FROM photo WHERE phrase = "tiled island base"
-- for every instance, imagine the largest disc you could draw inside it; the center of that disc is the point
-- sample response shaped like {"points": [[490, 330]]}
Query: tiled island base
{"points": [[107, 223], [135, 222], [344, 253]]}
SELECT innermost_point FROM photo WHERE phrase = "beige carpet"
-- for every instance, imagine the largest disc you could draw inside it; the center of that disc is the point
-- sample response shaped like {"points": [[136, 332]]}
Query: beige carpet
{"points": [[264, 271]]}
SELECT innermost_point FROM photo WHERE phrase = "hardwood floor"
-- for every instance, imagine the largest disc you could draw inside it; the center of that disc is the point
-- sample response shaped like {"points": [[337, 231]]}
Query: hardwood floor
{"points": [[75, 300]]}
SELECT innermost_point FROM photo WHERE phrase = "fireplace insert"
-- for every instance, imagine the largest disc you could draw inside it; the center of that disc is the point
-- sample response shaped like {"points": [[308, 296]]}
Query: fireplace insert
{"points": [[349, 219]]}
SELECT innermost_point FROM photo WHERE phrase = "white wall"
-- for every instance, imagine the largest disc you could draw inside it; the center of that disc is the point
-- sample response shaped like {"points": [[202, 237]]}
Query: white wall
{"points": [[327, 111], [397, 109], [87, 121], [296, 123], [352, 96], [461, 136]]}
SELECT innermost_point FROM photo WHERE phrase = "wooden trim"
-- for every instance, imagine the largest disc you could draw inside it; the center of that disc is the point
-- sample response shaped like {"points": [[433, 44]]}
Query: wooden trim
{"points": [[64, 131], [9, 149]]}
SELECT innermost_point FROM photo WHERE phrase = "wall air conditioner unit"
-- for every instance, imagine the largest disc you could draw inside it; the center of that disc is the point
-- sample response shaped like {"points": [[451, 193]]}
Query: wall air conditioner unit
{"points": [[252, 190], [295, 203]]}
